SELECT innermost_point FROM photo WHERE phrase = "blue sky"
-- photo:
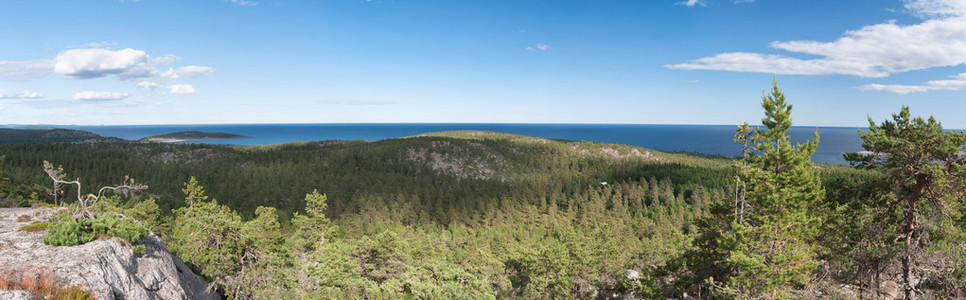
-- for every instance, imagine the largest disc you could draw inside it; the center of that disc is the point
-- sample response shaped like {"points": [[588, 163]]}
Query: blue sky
{"points": [[322, 61]]}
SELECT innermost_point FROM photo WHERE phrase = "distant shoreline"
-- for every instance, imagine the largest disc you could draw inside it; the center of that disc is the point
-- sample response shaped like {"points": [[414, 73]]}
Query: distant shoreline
{"points": [[190, 136], [88, 126], [174, 140], [710, 140]]}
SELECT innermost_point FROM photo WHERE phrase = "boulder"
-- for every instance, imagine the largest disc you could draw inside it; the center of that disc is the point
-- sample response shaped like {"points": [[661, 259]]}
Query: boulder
{"points": [[844, 291], [632, 275], [15, 295], [105, 268], [890, 290]]}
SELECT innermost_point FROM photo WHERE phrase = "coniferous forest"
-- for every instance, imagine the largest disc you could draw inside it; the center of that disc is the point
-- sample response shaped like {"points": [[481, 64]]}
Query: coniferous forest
{"points": [[483, 215]]}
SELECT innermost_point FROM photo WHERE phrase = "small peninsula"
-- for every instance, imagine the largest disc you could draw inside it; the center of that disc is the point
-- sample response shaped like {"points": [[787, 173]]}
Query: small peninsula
{"points": [[185, 136], [38, 134]]}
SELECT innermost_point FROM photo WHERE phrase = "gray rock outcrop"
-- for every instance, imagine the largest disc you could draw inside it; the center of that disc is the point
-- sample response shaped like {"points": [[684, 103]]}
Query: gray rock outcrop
{"points": [[15, 295], [105, 268], [890, 290]]}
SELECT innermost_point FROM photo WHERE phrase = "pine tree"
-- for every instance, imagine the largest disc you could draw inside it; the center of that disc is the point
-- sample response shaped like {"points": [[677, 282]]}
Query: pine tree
{"points": [[209, 236], [310, 227], [759, 248], [772, 250], [194, 191], [925, 165]]}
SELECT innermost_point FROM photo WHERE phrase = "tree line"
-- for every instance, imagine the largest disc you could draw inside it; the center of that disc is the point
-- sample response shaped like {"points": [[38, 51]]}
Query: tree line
{"points": [[489, 215]]}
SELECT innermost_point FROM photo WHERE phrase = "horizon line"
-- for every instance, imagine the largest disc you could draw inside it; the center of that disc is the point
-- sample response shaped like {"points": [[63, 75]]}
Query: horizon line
{"points": [[411, 123]]}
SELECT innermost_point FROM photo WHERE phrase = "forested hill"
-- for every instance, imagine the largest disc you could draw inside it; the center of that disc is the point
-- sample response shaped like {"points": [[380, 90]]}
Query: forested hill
{"points": [[438, 172], [50, 135], [465, 214]]}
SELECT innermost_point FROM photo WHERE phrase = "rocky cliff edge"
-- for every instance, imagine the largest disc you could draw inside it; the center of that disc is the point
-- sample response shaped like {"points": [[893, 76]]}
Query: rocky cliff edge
{"points": [[104, 268]]}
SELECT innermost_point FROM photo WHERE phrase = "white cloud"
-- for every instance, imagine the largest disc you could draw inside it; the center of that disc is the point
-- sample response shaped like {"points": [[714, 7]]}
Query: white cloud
{"points": [[893, 88], [100, 44], [958, 83], [357, 102], [181, 89], [88, 63], [151, 86], [25, 69], [777, 64], [100, 96], [147, 85], [692, 3], [125, 64], [936, 8], [540, 47], [871, 51], [189, 71], [242, 2], [165, 60], [21, 94], [95, 63]]}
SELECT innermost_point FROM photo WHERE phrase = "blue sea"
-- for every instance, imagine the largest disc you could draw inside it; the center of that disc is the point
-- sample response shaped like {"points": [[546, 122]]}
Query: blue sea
{"points": [[705, 139]]}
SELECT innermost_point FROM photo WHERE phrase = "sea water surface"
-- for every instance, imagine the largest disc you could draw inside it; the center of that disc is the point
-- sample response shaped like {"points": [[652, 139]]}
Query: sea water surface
{"points": [[704, 139]]}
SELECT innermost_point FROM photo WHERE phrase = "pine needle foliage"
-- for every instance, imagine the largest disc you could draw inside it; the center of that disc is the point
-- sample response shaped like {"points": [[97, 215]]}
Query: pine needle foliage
{"points": [[760, 247], [773, 253], [65, 230], [925, 165]]}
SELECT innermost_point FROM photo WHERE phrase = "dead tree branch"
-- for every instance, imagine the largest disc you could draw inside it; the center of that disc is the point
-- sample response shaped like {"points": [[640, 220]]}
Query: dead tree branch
{"points": [[86, 202]]}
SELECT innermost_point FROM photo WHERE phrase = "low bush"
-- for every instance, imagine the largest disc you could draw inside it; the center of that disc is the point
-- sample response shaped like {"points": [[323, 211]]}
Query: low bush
{"points": [[43, 205], [66, 230], [36, 226], [24, 218]]}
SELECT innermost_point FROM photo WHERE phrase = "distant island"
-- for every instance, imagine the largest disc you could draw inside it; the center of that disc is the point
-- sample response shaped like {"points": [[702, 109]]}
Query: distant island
{"points": [[185, 136], [37, 134]]}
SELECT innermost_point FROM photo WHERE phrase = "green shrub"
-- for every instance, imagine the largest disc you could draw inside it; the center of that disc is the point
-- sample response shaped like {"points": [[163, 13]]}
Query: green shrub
{"points": [[65, 230], [72, 292], [42, 205], [34, 227], [146, 211]]}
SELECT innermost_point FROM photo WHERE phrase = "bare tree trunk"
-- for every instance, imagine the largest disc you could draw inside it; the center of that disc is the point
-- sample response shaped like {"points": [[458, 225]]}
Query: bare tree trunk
{"points": [[907, 264], [740, 188], [741, 218], [737, 190], [88, 202], [907, 275]]}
